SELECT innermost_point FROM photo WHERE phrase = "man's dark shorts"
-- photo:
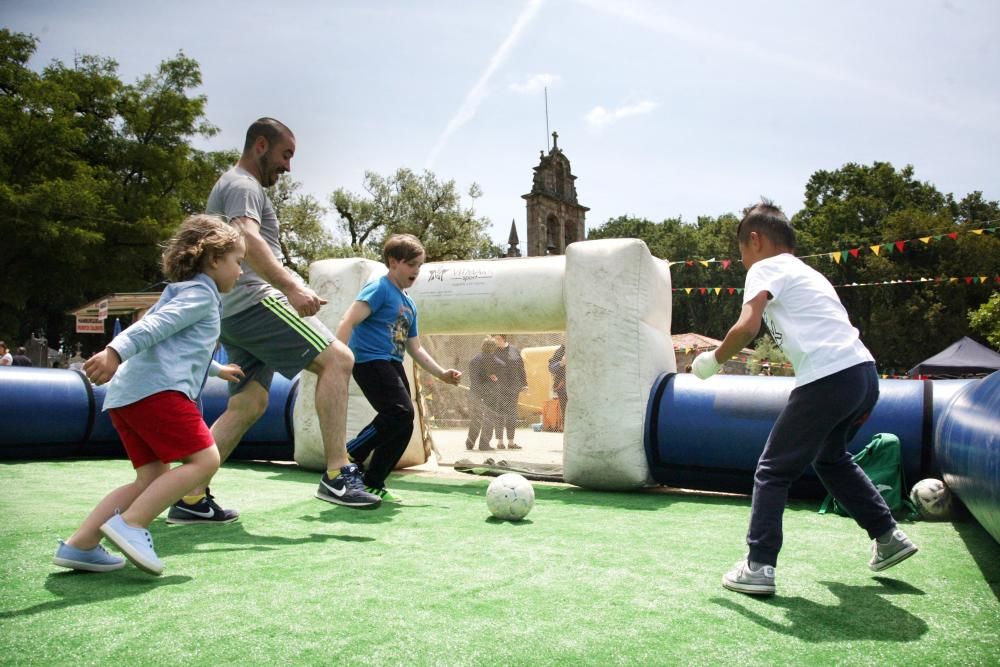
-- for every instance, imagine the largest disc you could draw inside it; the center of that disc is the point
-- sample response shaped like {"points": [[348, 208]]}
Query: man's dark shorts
{"points": [[270, 336]]}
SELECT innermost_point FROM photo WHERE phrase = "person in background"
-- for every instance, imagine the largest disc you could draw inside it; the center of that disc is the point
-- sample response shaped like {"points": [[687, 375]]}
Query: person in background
{"points": [[513, 380], [557, 368], [483, 382], [21, 358], [5, 357]]}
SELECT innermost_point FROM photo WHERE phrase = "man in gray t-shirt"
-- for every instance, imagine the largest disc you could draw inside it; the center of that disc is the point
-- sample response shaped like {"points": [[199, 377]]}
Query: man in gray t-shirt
{"points": [[268, 325]]}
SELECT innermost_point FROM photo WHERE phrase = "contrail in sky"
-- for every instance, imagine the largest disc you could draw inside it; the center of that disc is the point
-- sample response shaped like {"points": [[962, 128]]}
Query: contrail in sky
{"points": [[478, 93]]}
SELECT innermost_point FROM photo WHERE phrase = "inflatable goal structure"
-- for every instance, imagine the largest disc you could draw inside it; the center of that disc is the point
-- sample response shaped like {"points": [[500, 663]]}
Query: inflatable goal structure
{"points": [[611, 297]]}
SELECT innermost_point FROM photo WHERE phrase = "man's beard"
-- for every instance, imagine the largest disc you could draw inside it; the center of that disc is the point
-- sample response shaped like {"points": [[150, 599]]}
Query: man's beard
{"points": [[268, 175]]}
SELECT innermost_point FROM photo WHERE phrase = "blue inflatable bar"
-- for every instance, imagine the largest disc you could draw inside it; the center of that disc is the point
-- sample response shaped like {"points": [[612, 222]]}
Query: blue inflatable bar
{"points": [[968, 448], [708, 434], [53, 413]]}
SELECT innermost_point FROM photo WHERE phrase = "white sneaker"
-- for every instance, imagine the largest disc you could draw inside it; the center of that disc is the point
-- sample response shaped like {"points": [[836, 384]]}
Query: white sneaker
{"points": [[754, 582], [897, 549], [135, 543]]}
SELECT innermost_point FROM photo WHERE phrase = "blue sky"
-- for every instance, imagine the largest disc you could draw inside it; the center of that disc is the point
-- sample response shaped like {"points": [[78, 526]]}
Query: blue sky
{"points": [[664, 109]]}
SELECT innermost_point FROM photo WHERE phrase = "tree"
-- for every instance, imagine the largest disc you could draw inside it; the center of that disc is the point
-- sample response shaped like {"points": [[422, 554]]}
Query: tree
{"points": [[302, 236], [768, 351], [417, 204], [676, 241], [986, 320], [858, 206], [94, 175]]}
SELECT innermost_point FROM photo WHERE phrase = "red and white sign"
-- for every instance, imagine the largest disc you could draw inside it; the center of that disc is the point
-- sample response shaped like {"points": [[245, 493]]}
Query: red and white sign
{"points": [[89, 324], [102, 310]]}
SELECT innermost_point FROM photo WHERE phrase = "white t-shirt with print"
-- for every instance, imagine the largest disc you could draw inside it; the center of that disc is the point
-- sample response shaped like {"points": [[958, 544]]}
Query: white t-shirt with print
{"points": [[805, 318]]}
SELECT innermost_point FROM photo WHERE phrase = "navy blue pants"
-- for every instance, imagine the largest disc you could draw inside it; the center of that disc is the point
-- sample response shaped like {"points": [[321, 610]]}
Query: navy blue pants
{"points": [[815, 427], [385, 386]]}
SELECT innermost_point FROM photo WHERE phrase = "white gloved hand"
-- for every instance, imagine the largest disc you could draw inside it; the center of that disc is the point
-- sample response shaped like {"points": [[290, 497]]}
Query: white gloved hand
{"points": [[704, 365]]}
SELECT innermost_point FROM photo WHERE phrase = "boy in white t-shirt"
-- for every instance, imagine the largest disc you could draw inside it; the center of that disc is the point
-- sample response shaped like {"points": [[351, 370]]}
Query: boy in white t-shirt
{"points": [[836, 387]]}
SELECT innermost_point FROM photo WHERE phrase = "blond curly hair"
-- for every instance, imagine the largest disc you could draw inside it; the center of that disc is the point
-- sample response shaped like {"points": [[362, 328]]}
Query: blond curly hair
{"points": [[200, 238]]}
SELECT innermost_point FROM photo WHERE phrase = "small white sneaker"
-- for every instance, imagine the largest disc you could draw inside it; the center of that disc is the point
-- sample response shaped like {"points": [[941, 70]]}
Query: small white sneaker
{"points": [[135, 543], [754, 582]]}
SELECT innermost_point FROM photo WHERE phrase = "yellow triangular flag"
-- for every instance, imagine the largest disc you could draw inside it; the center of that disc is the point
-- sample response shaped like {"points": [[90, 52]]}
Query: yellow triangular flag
{"points": [[835, 256], [876, 249], [925, 239]]}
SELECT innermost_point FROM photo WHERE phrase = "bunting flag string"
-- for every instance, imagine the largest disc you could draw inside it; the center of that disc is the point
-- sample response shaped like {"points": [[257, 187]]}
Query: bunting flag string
{"points": [[838, 256], [967, 280]]}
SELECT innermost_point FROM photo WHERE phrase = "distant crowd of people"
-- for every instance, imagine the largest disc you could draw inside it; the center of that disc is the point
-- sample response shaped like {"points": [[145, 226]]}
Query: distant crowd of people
{"points": [[19, 358]]}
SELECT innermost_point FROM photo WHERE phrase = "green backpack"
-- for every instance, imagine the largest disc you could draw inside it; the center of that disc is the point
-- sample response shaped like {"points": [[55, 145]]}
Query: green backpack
{"points": [[882, 462]]}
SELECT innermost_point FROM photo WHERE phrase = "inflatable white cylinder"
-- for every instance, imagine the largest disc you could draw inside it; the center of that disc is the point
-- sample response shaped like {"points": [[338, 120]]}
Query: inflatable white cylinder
{"points": [[617, 343], [513, 295]]}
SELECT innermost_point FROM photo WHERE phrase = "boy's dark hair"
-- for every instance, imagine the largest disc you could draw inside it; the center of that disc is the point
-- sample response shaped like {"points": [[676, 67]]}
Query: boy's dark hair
{"points": [[269, 128], [402, 248], [768, 220]]}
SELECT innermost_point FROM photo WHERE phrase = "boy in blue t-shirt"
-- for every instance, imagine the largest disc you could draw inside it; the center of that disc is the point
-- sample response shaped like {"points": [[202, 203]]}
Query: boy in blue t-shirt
{"points": [[836, 388], [379, 326]]}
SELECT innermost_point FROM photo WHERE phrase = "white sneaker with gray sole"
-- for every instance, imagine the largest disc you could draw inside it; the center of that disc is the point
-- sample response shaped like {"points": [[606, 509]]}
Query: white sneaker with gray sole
{"points": [[753, 582]]}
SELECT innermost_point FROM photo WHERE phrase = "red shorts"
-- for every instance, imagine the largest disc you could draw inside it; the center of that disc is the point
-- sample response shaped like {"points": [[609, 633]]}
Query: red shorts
{"points": [[163, 427]]}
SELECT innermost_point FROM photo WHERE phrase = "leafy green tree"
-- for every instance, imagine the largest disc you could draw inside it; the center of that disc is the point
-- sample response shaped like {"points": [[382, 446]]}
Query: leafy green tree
{"points": [[418, 204], [767, 351], [673, 240], [94, 175], [986, 320], [302, 236], [858, 206]]}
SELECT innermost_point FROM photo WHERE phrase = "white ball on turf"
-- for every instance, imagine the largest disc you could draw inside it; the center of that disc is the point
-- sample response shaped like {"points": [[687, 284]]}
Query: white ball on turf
{"points": [[932, 498], [510, 497]]}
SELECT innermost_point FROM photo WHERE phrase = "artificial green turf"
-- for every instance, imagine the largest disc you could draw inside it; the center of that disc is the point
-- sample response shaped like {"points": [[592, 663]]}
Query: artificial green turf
{"points": [[587, 578]]}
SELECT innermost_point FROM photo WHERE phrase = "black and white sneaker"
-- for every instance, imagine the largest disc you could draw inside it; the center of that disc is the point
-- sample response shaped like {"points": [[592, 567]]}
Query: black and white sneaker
{"points": [[347, 489], [205, 510]]}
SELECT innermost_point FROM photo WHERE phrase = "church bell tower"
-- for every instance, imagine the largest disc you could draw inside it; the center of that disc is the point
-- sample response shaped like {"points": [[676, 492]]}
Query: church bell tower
{"points": [[555, 217]]}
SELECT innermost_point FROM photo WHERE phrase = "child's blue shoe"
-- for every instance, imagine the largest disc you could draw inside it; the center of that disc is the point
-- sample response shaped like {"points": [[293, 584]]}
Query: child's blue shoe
{"points": [[135, 543], [92, 560]]}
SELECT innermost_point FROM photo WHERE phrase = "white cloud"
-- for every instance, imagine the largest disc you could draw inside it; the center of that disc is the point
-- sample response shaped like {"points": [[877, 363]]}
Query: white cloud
{"points": [[534, 84], [480, 91], [599, 117]]}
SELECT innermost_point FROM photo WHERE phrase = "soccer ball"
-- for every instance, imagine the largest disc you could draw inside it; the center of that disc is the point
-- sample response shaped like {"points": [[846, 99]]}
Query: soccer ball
{"points": [[510, 497], [932, 498]]}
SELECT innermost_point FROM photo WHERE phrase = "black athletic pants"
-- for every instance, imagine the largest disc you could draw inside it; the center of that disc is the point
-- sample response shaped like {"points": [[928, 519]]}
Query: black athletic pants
{"points": [[384, 385], [815, 427]]}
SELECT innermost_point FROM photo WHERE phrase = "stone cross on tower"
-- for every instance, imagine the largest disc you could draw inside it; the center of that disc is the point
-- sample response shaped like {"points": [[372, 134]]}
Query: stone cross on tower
{"points": [[555, 217]]}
